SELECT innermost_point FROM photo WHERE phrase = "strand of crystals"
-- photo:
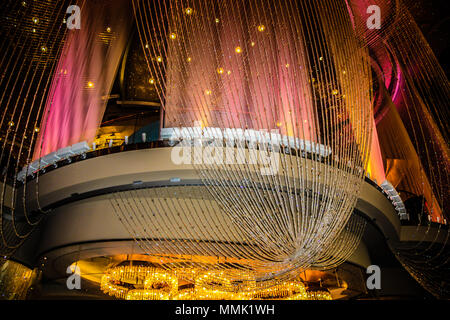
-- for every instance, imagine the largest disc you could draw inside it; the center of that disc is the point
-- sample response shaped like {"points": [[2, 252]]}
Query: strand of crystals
{"points": [[293, 67], [422, 106]]}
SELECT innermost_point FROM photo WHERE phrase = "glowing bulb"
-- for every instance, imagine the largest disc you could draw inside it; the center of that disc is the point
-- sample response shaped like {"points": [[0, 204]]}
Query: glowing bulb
{"points": [[173, 36], [229, 72], [238, 50], [189, 59], [37, 130], [220, 70], [217, 20], [252, 44], [108, 29], [320, 58], [43, 49], [151, 81], [188, 11], [35, 20], [261, 28], [334, 92], [90, 84], [146, 46], [208, 92], [158, 58], [11, 123], [287, 65], [34, 30]]}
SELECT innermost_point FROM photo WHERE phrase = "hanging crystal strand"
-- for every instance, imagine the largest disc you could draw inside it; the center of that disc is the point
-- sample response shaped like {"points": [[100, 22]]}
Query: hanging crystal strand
{"points": [[261, 65]]}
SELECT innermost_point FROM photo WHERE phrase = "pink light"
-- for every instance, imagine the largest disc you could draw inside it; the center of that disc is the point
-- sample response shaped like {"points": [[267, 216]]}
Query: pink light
{"points": [[85, 72]]}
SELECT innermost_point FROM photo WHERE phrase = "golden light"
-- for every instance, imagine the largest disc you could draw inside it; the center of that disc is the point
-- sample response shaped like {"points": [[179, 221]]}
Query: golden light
{"points": [[44, 49], [220, 70], [173, 36], [90, 84], [208, 92], [238, 49], [151, 81], [188, 11], [261, 28], [252, 44], [37, 129], [189, 59], [159, 58], [228, 72], [133, 282], [108, 29], [334, 92], [35, 20], [11, 123], [217, 20]]}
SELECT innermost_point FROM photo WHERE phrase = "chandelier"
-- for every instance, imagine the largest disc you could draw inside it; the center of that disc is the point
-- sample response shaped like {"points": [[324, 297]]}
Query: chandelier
{"points": [[130, 282], [290, 112]]}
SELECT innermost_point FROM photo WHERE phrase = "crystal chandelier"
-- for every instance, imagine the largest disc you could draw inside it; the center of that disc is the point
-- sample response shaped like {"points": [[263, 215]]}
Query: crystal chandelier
{"points": [[285, 82]]}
